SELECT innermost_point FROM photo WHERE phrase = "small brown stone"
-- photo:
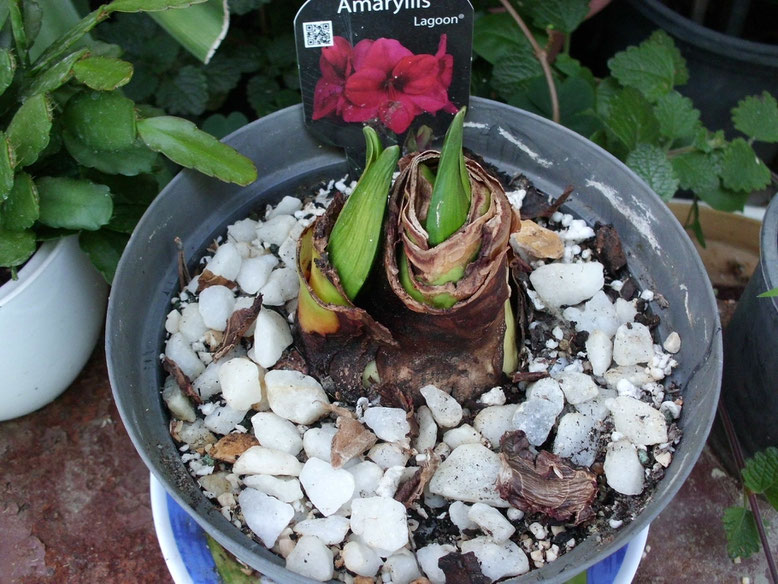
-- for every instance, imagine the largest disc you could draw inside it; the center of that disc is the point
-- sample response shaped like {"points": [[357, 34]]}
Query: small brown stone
{"points": [[538, 242], [231, 446]]}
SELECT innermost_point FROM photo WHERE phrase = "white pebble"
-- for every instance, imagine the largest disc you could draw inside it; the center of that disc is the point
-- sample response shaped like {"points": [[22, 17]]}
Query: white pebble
{"points": [[216, 304], [367, 475], [244, 230], [596, 408], [224, 419], [625, 388], [180, 406], [464, 434], [538, 530], [276, 432], [389, 424], [381, 522], [535, 417], [576, 439], [225, 262], [458, 513], [295, 396], [577, 387], [469, 474], [240, 383], [626, 310], [207, 383], [361, 559], [261, 460], [638, 421], [275, 229], [494, 421], [331, 530], [672, 343], [401, 567], [284, 489], [272, 336], [429, 556], [599, 349], [311, 558], [493, 397], [178, 350], [255, 272], [281, 286], [671, 408], [549, 390], [326, 487], [428, 430], [633, 344], [597, 314], [317, 442], [623, 470], [445, 409], [491, 522], [565, 284], [515, 514], [266, 516], [497, 560], [191, 324], [635, 374], [387, 455], [286, 206], [172, 321]]}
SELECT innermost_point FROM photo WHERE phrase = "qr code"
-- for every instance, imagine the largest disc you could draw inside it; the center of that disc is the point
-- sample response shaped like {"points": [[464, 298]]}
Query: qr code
{"points": [[318, 34]]}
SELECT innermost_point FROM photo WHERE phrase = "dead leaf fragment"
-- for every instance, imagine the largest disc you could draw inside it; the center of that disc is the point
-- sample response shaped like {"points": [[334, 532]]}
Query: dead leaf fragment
{"points": [[231, 446], [537, 242], [610, 252], [182, 380], [240, 321], [544, 484], [462, 569], [351, 439], [208, 279], [412, 489]]}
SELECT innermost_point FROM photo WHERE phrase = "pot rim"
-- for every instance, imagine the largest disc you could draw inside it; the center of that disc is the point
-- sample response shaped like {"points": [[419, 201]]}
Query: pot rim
{"points": [[214, 523], [769, 247], [723, 45], [32, 269]]}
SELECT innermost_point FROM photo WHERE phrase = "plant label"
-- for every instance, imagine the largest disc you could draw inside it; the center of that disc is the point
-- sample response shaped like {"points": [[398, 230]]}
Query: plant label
{"points": [[402, 66]]}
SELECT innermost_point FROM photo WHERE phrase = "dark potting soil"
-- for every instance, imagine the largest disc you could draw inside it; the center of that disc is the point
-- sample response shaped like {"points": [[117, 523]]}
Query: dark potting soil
{"points": [[758, 22], [5, 275]]}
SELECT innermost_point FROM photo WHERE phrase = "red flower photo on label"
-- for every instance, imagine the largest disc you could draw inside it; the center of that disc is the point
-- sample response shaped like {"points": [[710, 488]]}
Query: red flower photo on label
{"points": [[381, 79]]}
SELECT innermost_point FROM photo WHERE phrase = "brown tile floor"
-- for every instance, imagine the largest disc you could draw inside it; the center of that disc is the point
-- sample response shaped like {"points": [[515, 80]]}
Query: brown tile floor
{"points": [[74, 504]]}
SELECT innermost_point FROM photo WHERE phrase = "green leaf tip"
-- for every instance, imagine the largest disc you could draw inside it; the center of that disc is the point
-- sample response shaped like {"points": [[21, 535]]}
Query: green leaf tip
{"points": [[450, 200], [355, 237]]}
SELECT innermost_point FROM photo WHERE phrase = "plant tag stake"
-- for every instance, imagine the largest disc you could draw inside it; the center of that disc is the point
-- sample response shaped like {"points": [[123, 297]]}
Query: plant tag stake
{"points": [[402, 66]]}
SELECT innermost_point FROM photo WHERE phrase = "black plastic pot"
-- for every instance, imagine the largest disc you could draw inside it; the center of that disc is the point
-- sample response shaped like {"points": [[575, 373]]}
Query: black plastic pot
{"points": [[723, 69], [289, 161], [750, 382]]}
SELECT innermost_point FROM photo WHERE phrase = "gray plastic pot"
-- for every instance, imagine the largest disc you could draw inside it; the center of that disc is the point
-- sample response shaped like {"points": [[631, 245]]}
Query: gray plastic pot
{"points": [[749, 389], [198, 209]]}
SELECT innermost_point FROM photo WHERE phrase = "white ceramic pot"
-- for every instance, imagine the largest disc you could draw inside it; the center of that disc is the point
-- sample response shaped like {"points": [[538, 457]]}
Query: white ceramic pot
{"points": [[50, 319]]}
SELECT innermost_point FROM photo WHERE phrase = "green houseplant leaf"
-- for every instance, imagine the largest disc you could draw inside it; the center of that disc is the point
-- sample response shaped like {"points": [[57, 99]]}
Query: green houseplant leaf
{"points": [[101, 120], [16, 247], [757, 117], [200, 28], [631, 118], [184, 144], [130, 161], [55, 76], [651, 67], [29, 130], [562, 15], [74, 203], [103, 73], [104, 248], [22, 208], [6, 168], [7, 69], [651, 164], [677, 116], [742, 169], [741, 531], [761, 474]]}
